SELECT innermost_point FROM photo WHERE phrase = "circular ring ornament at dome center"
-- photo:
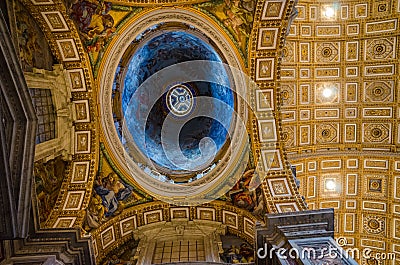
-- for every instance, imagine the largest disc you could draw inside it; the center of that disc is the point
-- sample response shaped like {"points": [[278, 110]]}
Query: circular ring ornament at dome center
{"points": [[180, 100]]}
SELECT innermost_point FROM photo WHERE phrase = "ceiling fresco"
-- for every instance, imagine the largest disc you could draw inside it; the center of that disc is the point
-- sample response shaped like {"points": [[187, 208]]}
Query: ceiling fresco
{"points": [[236, 250], [168, 49], [113, 61], [123, 255], [160, 52], [237, 16], [97, 22], [111, 194], [48, 179], [34, 50]]}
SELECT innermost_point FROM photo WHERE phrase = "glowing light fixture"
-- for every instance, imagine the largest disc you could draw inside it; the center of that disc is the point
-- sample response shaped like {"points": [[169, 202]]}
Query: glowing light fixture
{"points": [[329, 12], [330, 184], [327, 92]]}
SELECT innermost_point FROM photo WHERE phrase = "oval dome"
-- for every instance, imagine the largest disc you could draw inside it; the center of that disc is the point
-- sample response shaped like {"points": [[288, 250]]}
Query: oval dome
{"points": [[199, 133]]}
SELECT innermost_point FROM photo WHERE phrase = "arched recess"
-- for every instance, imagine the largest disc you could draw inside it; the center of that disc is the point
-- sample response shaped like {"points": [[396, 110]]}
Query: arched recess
{"points": [[270, 156], [270, 27], [132, 30], [65, 43]]}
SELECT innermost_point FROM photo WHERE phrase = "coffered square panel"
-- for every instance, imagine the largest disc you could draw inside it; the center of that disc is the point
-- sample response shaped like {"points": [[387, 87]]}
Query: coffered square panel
{"points": [[353, 29], [360, 10], [267, 38], [305, 30], [279, 187], [273, 9], [55, 21], [265, 69]]}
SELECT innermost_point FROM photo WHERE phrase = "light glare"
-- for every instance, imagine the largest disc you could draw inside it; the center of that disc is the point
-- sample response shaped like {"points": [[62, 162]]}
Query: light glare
{"points": [[327, 92], [330, 184], [329, 12]]}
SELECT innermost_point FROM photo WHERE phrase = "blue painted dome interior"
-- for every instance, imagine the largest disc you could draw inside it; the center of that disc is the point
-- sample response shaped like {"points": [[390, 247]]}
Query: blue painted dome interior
{"points": [[164, 50]]}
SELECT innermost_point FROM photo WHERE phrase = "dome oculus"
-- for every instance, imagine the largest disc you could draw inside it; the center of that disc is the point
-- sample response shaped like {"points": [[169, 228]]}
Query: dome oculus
{"points": [[201, 134]]}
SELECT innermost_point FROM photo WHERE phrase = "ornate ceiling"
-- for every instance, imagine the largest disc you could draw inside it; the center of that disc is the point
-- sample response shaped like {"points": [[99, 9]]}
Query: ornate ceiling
{"points": [[349, 134], [334, 103]]}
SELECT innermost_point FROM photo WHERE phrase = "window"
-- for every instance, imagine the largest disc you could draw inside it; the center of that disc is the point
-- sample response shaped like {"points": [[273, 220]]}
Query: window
{"points": [[43, 104], [179, 250]]}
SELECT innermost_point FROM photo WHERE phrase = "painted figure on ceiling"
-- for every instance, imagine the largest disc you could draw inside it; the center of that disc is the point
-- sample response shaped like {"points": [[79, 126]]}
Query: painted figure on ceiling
{"points": [[34, 50], [236, 15], [89, 15], [125, 254], [113, 193], [238, 255], [244, 198], [48, 180], [94, 22], [94, 213], [240, 194]]}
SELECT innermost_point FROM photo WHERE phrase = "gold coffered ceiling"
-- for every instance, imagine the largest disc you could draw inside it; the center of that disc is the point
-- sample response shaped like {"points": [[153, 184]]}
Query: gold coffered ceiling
{"points": [[340, 111], [339, 96]]}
